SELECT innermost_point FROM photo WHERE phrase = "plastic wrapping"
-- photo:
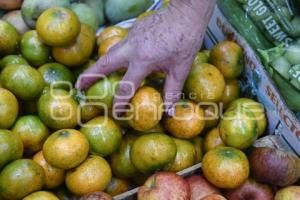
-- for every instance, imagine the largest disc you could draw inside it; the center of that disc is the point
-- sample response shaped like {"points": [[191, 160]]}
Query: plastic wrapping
{"points": [[243, 24], [283, 65], [277, 20]]}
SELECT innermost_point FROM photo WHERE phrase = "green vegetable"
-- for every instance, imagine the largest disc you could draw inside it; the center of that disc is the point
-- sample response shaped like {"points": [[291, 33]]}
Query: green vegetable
{"points": [[280, 13], [289, 93], [271, 54], [294, 72], [286, 76], [119, 10], [285, 12], [296, 26], [266, 16], [296, 83], [245, 26], [282, 66], [292, 54]]}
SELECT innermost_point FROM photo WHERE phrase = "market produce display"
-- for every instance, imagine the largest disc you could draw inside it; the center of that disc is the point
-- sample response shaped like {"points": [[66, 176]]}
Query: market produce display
{"points": [[283, 65], [266, 24], [60, 143], [168, 184], [272, 21]]}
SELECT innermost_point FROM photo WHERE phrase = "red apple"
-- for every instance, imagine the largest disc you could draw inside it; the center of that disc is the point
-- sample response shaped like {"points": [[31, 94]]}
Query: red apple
{"points": [[164, 186], [288, 193], [273, 166], [10, 4], [251, 190], [214, 197], [200, 187], [97, 196]]}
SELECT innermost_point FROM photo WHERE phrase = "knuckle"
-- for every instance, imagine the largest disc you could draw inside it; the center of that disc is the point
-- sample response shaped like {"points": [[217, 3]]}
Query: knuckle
{"points": [[124, 89], [105, 60]]}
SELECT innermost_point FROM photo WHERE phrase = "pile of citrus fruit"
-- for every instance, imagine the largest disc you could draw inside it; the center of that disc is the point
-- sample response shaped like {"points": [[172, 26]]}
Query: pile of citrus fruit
{"points": [[56, 142]]}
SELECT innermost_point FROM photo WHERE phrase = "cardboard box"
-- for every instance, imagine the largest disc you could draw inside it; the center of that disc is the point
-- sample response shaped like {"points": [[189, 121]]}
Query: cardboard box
{"points": [[283, 126], [282, 121]]}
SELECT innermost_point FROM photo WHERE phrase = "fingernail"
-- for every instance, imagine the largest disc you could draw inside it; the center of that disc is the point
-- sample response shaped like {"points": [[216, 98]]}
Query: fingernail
{"points": [[170, 111]]}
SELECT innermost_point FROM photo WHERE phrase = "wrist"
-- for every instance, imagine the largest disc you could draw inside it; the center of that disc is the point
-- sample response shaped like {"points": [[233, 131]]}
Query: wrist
{"points": [[199, 9]]}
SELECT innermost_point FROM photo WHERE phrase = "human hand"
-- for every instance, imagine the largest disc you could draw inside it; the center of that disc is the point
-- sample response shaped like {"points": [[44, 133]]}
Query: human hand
{"points": [[166, 41]]}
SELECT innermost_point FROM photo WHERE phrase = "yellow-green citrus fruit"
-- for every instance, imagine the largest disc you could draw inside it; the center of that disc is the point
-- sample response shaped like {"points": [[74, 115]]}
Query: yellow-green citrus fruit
{"points": [[22, 80], [20, 178]]}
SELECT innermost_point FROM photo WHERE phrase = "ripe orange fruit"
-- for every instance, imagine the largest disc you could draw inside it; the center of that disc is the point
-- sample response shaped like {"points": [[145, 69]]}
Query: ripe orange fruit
{"points": [[66, 149], [212, 139], [93, 175], [104, 91], [187, 122], [185, 156], [41, 195], [205, 83], [108, 43], [225, 167], [88, 112], [32, 131], [57, 109], [111, 31], [56, 72], [201, 57], [227, 57], [33, 49], [78, 52], [9, 38], [120, 160], [152, 152], [231, 92], [106, 141], [11, 147], [58, 26], [22, 80], [238, 128], [54, 177], [256, 108], [9, 108], [147, 109], [158, 128], [20, 178]]}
